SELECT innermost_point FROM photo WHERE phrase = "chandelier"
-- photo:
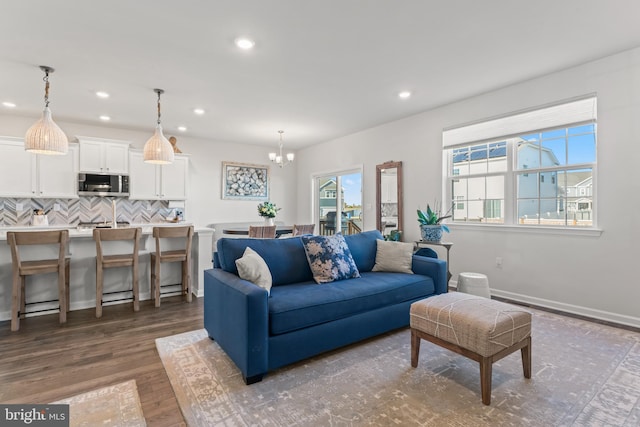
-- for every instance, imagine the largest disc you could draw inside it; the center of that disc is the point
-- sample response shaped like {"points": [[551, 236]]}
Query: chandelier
{"points": [[158, 149], [278, 158], [45, 136]]}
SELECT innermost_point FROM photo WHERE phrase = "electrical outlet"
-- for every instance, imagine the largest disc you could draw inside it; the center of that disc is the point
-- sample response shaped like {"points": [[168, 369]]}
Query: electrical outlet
{"points": [[499, 262], [19, 207], [148, 206], [56, 207]]}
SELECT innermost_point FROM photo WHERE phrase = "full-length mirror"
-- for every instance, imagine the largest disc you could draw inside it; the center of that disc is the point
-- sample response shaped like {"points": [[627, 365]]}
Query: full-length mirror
{"points": [[389, 197]]}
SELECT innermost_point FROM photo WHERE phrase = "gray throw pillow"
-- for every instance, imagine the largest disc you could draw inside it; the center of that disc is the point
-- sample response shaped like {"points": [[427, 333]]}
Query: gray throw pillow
{"points": [[394, 257], [253, 268]]}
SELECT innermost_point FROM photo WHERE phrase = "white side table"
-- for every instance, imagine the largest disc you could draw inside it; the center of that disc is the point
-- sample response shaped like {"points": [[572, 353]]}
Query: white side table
{"points": [[474, 284], [446, 245]]}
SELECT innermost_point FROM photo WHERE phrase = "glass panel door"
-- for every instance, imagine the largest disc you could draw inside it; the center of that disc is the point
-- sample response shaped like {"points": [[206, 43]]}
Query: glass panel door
{"points": [[339, 203]]}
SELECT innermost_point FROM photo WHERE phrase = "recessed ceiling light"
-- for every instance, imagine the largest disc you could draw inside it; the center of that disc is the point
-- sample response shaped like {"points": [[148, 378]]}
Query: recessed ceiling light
{"points": [[245, 43], [105, 118], [102, 94], [404, 94], [198, 111], [182, 128], [9, 104]]}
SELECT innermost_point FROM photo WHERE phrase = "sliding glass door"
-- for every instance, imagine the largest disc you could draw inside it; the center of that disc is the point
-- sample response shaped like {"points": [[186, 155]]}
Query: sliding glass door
{"points": [[338, 202]]}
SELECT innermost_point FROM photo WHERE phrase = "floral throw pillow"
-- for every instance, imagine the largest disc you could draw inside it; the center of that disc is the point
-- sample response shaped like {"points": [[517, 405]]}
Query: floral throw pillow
{"points": [[329, 258]]}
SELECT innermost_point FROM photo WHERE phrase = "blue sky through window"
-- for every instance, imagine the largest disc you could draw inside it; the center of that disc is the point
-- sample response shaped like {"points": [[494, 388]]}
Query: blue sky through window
{"points": [[352, 185]]}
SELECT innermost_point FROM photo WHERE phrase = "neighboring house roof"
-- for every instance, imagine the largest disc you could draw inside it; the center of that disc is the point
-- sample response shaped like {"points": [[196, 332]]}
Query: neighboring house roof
{"points": [[579, 179], [497, 150], [329, 184]]}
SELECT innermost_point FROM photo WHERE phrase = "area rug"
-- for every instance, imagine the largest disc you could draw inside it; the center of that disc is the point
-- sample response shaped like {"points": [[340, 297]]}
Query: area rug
{"points": [[116, 405], [583, 374]]}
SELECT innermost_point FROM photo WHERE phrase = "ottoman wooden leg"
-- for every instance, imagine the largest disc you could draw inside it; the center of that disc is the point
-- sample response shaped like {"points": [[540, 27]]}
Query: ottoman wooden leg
{"points": [[526, 358], [415, 348], [485, 379]]}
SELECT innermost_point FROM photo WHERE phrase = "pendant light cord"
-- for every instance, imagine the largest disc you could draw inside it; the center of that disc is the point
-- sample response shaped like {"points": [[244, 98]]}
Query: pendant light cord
{"points": [[159, 106], [46, 88]]}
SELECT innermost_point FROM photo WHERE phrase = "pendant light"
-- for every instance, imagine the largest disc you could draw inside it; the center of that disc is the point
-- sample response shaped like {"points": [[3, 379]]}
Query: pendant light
{"points": [[158, 149], [278, 158], [46, 137]]}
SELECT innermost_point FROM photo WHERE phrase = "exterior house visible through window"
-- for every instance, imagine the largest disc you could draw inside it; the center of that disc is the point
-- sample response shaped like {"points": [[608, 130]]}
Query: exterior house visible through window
{"points": [[532, 168]]}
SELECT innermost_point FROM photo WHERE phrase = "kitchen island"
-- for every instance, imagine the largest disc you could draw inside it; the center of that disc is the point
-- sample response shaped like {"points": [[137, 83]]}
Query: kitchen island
{"points": [[82, 277]]}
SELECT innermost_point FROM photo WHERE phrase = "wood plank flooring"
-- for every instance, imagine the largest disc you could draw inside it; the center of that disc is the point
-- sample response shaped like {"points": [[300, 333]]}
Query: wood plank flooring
{"points": [[45, 361]]}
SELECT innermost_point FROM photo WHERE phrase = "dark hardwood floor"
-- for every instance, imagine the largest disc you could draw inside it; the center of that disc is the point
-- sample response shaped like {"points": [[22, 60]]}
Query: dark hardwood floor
{"points": [[45, 361]]}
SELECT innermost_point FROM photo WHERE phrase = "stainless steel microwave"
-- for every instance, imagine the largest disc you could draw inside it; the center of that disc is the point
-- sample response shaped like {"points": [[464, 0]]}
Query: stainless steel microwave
{"points": [[103, 185]]}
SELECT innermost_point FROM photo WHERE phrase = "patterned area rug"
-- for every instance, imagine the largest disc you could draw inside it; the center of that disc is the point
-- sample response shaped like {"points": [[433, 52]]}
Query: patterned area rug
{"points": [[116, 405], [583, 374]]}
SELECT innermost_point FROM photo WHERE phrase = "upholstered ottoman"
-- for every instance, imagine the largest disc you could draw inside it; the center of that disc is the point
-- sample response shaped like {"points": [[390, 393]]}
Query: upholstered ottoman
{"points": [[481, 329]]}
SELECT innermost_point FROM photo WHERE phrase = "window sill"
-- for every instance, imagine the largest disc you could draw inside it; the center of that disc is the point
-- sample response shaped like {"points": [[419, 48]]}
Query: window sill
{"points": [[564, 231]]}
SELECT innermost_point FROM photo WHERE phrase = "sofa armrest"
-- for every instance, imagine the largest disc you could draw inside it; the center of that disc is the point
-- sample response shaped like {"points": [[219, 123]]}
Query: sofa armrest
{"points": [[434, 268], [236, 315]]}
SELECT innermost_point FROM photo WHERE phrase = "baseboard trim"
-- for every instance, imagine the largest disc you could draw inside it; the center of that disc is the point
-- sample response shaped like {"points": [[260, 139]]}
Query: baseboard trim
{"points": [[607, 317], [83, 305]]}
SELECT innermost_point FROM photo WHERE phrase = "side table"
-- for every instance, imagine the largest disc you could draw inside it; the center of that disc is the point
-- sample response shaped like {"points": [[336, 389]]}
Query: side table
{"points": [[446, 245]]}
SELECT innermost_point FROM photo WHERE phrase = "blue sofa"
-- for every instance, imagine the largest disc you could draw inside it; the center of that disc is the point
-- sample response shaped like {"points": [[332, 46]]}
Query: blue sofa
{"points": [[301, 318]]}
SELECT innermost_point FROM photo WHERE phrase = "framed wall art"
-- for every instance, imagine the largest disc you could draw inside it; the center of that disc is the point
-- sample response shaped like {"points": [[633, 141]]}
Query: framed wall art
{"points": [[243, 181]]}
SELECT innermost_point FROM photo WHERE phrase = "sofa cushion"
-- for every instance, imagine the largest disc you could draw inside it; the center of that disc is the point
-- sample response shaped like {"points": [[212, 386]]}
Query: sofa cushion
{"points": [[252, 267], [329, 258], [286, 258], [394, 256], [306, 304], [363, 248]]}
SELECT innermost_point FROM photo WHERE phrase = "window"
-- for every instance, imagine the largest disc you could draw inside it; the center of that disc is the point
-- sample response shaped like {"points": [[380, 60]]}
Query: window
{"points": [[330, 194], [525, 171]]}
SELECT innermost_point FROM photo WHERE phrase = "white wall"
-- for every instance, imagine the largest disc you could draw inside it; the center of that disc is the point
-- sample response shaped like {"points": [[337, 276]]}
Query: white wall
{"points": [[591, 275], [205, 205]]}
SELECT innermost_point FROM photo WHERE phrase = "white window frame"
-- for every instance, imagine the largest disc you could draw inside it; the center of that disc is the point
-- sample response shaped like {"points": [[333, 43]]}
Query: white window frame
{"points": [[566, 114]]}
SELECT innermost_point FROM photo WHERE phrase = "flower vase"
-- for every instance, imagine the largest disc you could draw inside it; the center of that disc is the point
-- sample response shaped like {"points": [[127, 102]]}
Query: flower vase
{"points": [[269, 222], [431, 233]]}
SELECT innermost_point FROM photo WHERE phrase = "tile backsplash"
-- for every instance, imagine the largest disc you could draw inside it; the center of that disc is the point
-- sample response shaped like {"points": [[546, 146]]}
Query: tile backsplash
{"points": [[82, 209]]}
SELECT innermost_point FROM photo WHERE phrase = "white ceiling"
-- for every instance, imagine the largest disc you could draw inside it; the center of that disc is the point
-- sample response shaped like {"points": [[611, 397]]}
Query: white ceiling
{"points": [[320, 69]]}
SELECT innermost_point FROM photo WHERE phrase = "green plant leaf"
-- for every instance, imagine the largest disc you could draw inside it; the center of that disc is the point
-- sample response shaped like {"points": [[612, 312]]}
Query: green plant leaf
{"points": [[422, 219]]}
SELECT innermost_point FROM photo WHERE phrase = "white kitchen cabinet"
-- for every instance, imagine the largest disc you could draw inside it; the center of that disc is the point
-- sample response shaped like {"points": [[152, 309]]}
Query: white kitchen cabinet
{"points": [[23, 174], [99, 155], [388, 189], [158, 182]]}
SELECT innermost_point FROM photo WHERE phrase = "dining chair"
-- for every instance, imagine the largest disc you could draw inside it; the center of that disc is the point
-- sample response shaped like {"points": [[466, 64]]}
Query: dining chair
{"points": [[179, 255], [262, 232], [101, 235], [22, 269], [299, 229]]}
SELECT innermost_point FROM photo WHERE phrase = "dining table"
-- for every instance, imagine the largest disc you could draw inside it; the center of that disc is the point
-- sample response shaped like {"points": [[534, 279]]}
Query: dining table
{"points": [[244, 231]]}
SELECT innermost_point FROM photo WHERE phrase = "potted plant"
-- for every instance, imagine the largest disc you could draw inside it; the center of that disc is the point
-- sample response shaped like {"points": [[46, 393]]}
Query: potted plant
{"points": [[430, 226], [268, 211]]}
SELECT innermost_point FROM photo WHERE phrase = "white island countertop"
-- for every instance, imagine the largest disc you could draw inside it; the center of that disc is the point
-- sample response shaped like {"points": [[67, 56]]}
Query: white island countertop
{"points": [[74, 231], [82, 251]]}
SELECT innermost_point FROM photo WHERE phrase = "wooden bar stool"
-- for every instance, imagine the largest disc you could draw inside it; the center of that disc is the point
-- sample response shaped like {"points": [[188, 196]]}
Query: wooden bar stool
{"points": [[103, 261], [181, 255], [22, 269]]}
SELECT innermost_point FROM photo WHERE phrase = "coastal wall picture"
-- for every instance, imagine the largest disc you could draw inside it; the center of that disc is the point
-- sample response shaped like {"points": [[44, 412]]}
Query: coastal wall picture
{"points": [[242, 181]]}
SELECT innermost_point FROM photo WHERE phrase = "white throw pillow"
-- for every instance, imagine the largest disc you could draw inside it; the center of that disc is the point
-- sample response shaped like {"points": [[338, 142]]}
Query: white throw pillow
{"points": [[252, 267], [394, 257]]}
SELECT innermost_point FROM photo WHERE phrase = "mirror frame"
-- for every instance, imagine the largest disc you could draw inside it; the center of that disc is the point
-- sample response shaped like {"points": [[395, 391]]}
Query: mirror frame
{"points": [[379, 168]]}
